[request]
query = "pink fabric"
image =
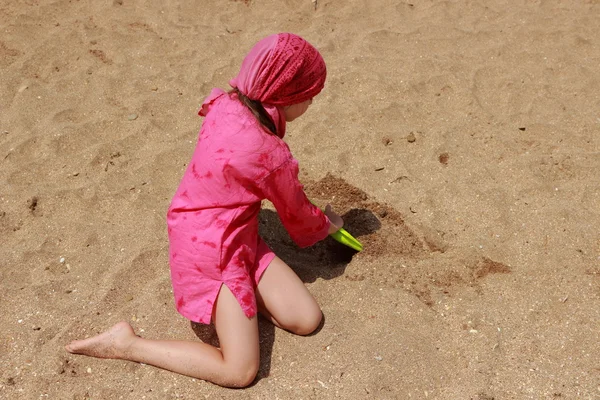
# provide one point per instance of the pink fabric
(213, 217)
(281, 70)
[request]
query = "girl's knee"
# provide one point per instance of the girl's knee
(308, 324)
(242, 375)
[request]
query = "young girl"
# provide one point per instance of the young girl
(222, 271)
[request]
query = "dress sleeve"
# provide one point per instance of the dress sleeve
(305, 222)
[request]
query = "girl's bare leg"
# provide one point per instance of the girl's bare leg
(283, 298)
(235, 364)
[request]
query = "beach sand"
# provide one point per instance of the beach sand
(460, 139)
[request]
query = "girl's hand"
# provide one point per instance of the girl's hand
(336, 221)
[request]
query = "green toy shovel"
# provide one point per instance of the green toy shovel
(347, 239)
(344, 237)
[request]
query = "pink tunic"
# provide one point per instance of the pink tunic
(213, 217)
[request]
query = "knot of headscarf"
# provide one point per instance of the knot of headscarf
(281, 70)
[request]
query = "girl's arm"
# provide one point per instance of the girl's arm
(305, 222)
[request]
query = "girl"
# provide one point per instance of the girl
(222, 271)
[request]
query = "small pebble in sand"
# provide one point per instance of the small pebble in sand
(89, 370)
(132, 117)
(378, 358)
(62, 260)
(23, 88)
(32, 203)
(411, 138)
(443, 158)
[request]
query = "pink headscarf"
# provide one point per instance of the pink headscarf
(281, 70)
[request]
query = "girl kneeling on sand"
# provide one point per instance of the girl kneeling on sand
(222, 271)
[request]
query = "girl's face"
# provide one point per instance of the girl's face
(294, 111)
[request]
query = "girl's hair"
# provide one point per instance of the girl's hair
(257, 110)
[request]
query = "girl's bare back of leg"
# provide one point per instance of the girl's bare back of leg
(281, 297)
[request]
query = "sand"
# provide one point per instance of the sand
(458, 138)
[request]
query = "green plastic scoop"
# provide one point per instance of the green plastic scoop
(344, 237)
(347, 239)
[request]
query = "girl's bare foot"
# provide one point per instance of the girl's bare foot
(110, 344)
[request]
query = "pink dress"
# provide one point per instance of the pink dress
(213, 217)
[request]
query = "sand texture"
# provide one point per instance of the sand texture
(460, 139)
